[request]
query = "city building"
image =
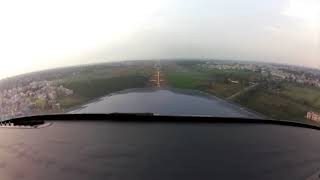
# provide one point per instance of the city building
(313, 116)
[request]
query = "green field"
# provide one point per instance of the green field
(306, 95)
(290, 102)
(89, 85)
(277, 100)
(186, 79)
(273, 105)
(212, 81)
(85, 90)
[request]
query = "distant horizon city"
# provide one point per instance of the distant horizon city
(163, 59)
(59, 89)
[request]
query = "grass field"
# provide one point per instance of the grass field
(93, 84)
(303, 94)
(289, 101)
(212, 81)
(224, 90)
(186, 79)
(87, 89)
(274, 106)
(70, 101)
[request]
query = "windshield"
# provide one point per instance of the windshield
(248, 59)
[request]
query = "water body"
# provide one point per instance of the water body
(166, 102)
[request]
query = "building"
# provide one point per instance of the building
(313, 116)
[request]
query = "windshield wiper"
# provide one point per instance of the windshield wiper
(25, 121)
(38, 120)
(149, 118)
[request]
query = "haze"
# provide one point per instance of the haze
(41, 34)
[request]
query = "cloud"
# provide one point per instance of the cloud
(307, 10)
(45, 34)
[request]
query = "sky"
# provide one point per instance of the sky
(43, 34)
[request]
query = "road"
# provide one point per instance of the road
(243, 91)
(157, 79)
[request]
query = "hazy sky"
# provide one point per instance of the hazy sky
(40, 34)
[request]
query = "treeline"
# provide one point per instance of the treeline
(50, 74)
(189, 63)
(93, 88)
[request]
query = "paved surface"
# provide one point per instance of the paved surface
(166, 102)
(157, 78)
